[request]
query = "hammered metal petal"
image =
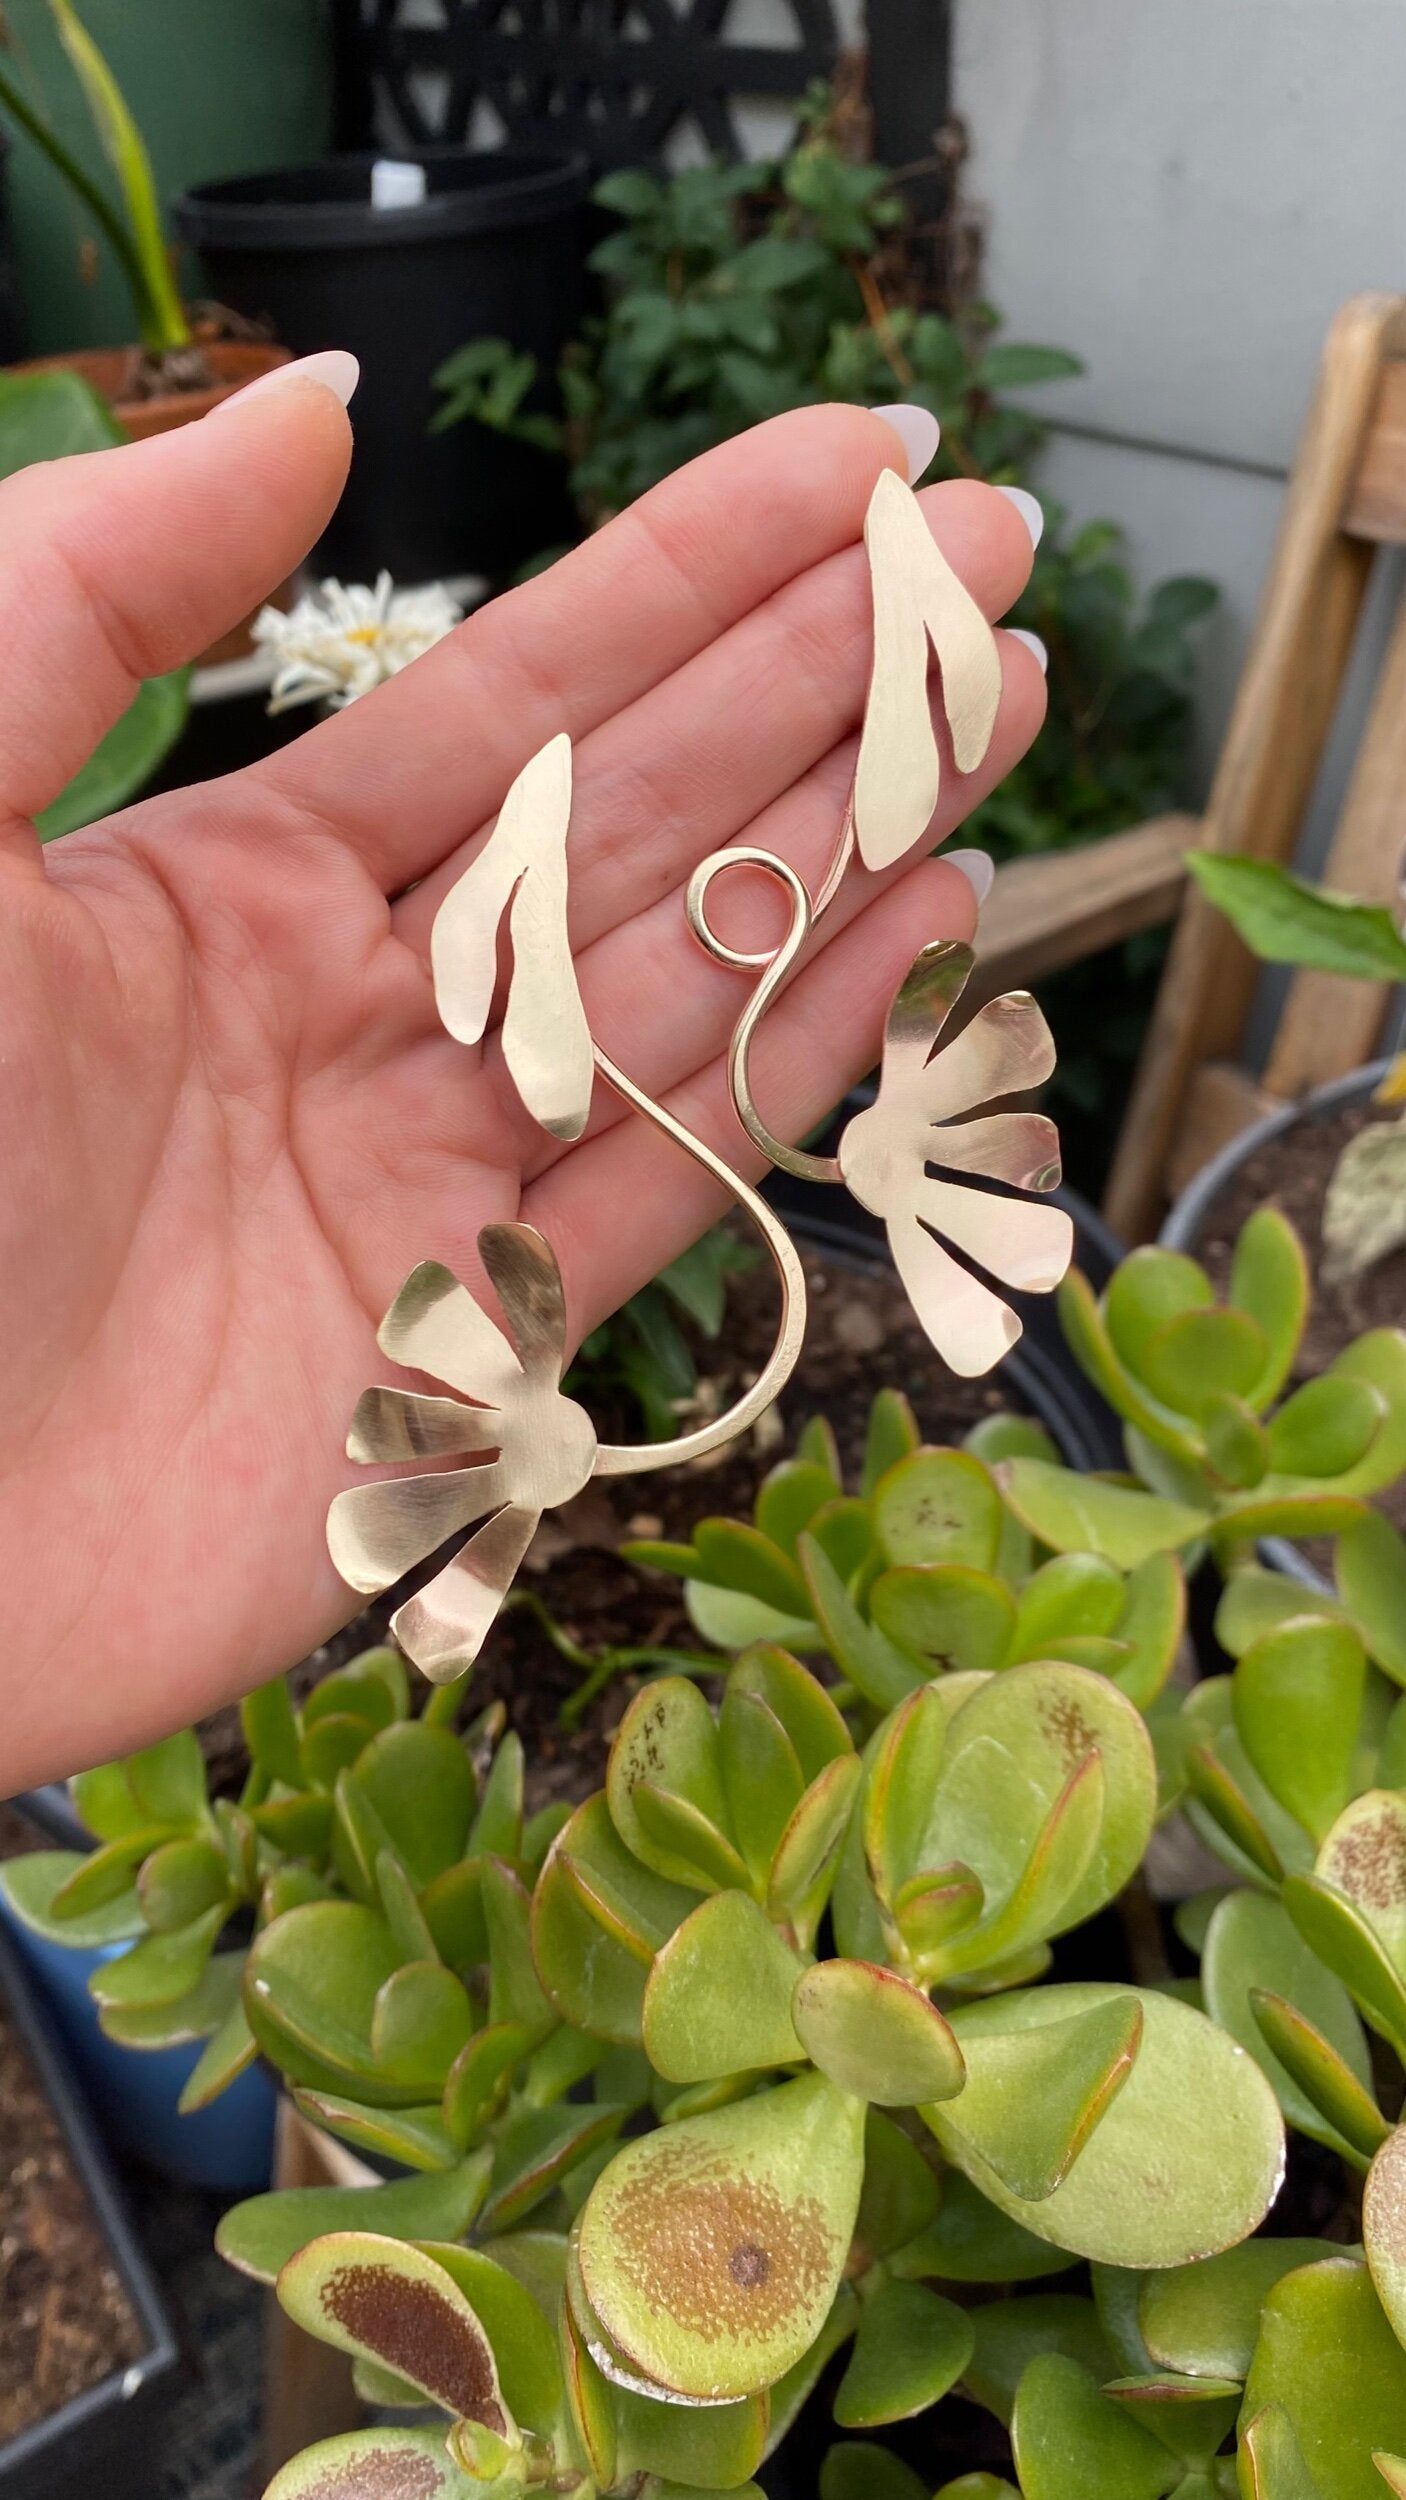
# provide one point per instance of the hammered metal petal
(1028, 1246)
(443, 1628)
(1018, 1147)
(377, 1532)
(917, 599)
(1006, 1049)
(394, 1424)
(523, 1272)
(434, 1325)
(971, 1327)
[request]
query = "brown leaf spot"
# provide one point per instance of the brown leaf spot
(1066, 1727)
(379, 2474)
(418, 2332)
(1369, 1860)
(726, 2257)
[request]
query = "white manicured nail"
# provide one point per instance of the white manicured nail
(1029, 507)
(977, 867)
(919, 433)
(335, 369)
(1032, 642)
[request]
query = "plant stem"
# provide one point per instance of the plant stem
(49, 142)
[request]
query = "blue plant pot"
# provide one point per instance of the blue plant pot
(135, 2091)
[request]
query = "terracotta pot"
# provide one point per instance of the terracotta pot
(110, 371)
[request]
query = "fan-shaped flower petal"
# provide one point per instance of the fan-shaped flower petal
(377, 1532)
(444, 1627)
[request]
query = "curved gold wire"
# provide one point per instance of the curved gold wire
(614, 1460)
(775, 966)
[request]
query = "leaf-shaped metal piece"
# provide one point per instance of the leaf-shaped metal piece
(546, 1040)
(917, 599)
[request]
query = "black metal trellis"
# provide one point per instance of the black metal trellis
(618, 78)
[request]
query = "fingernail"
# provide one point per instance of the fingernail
(1030, 508)
(1032, 642)
(977, 867)
(919, 433)
(335, 368)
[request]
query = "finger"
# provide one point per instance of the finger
(406, 774)
(696, 758)
(118, 565)
(822, 1038)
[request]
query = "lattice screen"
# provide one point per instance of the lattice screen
(627, 80)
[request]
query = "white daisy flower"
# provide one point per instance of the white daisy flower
(342, 639)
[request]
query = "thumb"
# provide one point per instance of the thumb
(117, 565)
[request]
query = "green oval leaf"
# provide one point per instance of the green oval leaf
(1327, 2356)
(383, 2300)
(912, 2346)
(876, 2035)
(718, 2000)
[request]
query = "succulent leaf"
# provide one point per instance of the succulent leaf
(711, 2251)
(1253, 1946)
(911, 2347)
(1112, 2204)
(1327, 2356)
(264, 2233)
(1063, 2424)
(375, 2465)
(1034, 2097)
(1010, 2334)
(875, 2035)
(718, 2000)
(1084, 1515)
(1297, 1696)
(1202, 2320)
(383, 2300)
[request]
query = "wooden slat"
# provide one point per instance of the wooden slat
(308, 2391)
(1376, 508)
(1282, 715)
(1220, 1102)
(1329, 1025)
(1044, 913)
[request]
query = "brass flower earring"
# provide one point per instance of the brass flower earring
(539, 1447)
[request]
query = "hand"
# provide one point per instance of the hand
(231, 1123)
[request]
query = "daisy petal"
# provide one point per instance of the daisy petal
(394, 1424)
(445, 1626)
(523, 1271)
(434, 1325)
(1029, 1246)
(376, 1532)
(969, 1325)
(1006, 1049)
(1019, 1147)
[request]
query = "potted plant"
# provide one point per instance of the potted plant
(175, 372)
(394, 261)
(794, 2091)
(89, 2356)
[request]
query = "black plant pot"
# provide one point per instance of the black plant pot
(496, 249)
(1185, 1227)
(106, 2438)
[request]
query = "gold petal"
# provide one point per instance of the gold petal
(445, 1626)
(546, 1040)
(434, 1325)
(1020, 1147)
(1006, 1049)
(376, 1532)
(917, 596)
(524, 1274)
(930, 991)
(1026, 1244)
(394, 1424)
(969, 1325)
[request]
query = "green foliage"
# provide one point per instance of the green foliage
(48, 416)
(1285, 920)
(760, 2059)
(644, 1353)
(133, 230)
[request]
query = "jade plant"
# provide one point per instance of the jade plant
(1221, 1448)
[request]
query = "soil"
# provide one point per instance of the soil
(1292, 1172)
(861, 1337)
(65, 2320)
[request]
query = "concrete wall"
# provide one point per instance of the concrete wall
(1183, 191)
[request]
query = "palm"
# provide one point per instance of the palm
(232, 1121)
